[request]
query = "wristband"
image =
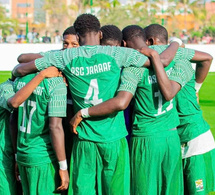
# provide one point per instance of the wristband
(84, 113)
(63, 165)
(179, 41)
(198, 86)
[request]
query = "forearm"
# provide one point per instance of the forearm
(118, 103)
(203, 62)
(202, 70)
(57, 137)
(24, 69)
(168, 54)
(25, 92)
(162, 79)
(23, 58)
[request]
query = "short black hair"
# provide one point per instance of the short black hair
(132, 31)
(86, 23)
(69, 31)
(112, 33)
(156, 31)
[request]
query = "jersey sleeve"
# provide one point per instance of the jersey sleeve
(182, 72)
(51, 59)
(44, 53)
(6, 92)
(58, 93)
(130, 78)
(126, 57)
(184, 53)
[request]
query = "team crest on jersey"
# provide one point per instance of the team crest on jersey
(199, 185)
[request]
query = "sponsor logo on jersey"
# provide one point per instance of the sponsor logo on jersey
(199, 185)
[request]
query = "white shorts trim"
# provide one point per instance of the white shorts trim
(199, 145)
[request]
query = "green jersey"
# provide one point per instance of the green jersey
(152, 113)
(181, 54)
(192, 123)
(47, 100)
(93, 74)
(6, 149)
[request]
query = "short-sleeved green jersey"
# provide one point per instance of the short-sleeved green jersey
(152, 113)
(47, 100)
(93, 74)
(6, 149)
(192, 123)
(181, 54)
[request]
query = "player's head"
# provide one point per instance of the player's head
(156, 34)
(111, 35)
(134, 37)
(70, 39)
(87, 27)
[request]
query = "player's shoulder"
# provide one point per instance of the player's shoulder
(6, 87)
(55, 82)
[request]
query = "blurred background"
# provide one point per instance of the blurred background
(32, 21)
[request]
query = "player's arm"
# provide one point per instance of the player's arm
(26, 91)
(49, 59)
(168, 87)
(57, 137)
(130, 78)
(203, 62)
(28, 57)
(57, 110)
(166, 56)
(23, 69)
(118, 103)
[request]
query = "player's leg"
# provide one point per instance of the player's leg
(40, 180)
(149, 169)
(113, 168)
(83, 168)
(172, 171)
(199, 173)
(7, 182)
(145, 165)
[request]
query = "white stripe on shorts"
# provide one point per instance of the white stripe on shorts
(199, 145)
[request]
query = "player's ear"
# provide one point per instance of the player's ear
(100, 35)
(150, 41)
(123, 43)
(77, 37)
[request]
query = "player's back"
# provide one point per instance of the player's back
(34, 144)
(6, 149)
(152, 113)
(95, 78)
(192, 123)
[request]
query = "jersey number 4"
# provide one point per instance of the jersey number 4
(32, 104)
(92, 96)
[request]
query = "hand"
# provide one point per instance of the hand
(75, 121)
(17, 175)
(51, 72)
(64, 176)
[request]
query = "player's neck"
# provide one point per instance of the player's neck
(90, 39)
(139, 43)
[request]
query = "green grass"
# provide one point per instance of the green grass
(207, 100)
(4, 75)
